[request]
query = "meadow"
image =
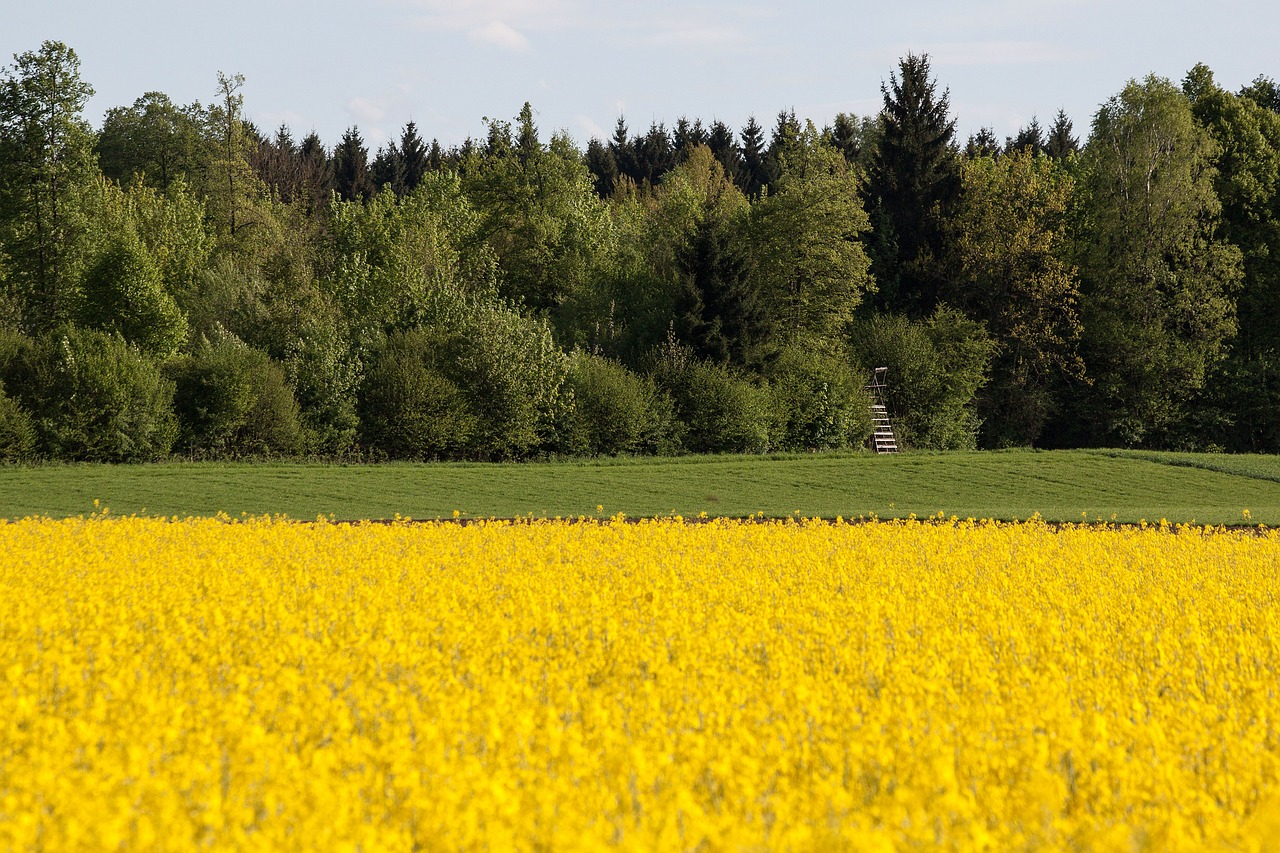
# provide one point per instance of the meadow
(1058, 485)
(796, 684)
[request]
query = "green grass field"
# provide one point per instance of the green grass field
(1123, 486)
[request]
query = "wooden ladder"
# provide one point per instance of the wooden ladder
(882, 438)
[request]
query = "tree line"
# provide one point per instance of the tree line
(178, 283)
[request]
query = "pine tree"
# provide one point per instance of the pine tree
(1060, 143)
(604, 168)
(351, 176)
(846, 135)
(913, 186)
(753, 176)
(786, 136)
(688, 136)
(1030, 137)
(722, 144)
(387, 169)
(414, 157)
(982, 144)
(623, 150)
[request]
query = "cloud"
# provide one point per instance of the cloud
(591, 128)
(500, 35)
(502, 23)
(363, 109)
(508, 24)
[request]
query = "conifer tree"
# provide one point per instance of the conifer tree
(914, 185)
(1060, 143)
(754, 176)
(351, 176)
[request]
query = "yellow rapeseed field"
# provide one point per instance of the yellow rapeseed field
(664, 685)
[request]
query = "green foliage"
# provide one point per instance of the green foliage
(542, 217)
(819, 402)
(93, 398)
(391, 259)
(1009, 244)
(122, 292)
(913, 184)
(505, 367)
(720, 410)
(1157, 283)
(409, 408)
(936, 368)
(808, 264)
(45, 161)
(617, 411)
(233, 401)
(154, 141)
(17, 432)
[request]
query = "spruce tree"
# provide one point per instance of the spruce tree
(913, 187)
(753, 176)
(351, 167)
(722, 144)
(414, 157)
(1060, 143)
(1029, 138)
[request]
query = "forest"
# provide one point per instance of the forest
(179, 283)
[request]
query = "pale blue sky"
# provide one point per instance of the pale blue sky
(324, 65)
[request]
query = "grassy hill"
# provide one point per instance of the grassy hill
(1123, 486)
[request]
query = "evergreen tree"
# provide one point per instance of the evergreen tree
(351, 176)
(722, 144)
(414, 157)
(845, 134)
(316, 173)
(783, 144)
(655, 154)
(688, 136)
(623, 150)
(604, 168)
(1029, 138)
(718, 314)
(387, 169)
(754, 176)
(1060, 143)
(982, 144)
(913, 186)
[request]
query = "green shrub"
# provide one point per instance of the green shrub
(720, 411)
(17, 433)
(233, 401)
(408, 408)
(93, 398)
(935, 370)
(617, 411)
(819, 402)
(122, 292)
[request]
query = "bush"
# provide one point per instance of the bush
(17, 433)
(616, 411)
(819, 403)
(408, 408)
(232, 401)
(93, 398)
(720, 411)
(935, 370)
(122, 292)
